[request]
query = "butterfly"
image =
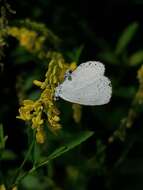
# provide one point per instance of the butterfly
(86, 85)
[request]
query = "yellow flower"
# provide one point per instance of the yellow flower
(27, 38)
(45, 105)
(46, 94)
(2, 187)
(140, 74)
(40, 135)
(39, 43)
(73, 66)
(28, 102)
(37, 121)
(26, 110)
(13, 31)
(139, 94)
(76, 112)
(38, 83)
(56, 118)
(15, 188)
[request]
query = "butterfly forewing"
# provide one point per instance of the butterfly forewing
(85, 73)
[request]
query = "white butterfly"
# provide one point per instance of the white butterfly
(86, 85)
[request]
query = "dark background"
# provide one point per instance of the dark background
(97, 25)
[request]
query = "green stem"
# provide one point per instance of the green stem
(58, 152)
(124, 153)
(34, 168)
(24, 161)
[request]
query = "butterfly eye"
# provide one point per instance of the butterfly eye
(68, 75)
(70, 71)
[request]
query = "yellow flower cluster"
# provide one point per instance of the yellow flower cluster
(2, 187)
(140, 75)
(139, 94)
(76, 112)
(44, 111)
(27, 38)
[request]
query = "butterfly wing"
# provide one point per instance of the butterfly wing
(95, 92)
(87, 72)
(95, 68)
(84, 74)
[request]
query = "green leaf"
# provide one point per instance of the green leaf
(36, 153)
(75, 54)
(8, 155)
(31, 182)
(109, 57)
(28, 84)
(126, 37)
(121, 92)
(83, 136)
(136, 58)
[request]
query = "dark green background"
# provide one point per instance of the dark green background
(97, 26)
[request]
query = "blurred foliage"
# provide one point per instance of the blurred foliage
(39, 42)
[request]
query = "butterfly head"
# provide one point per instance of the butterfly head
(68, 75)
